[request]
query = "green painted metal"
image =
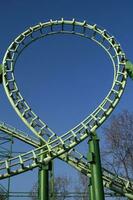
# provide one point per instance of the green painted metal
(96, 170)
(111, 181)
(51, 178)
(43, 183)
(54, 145)
(21, 135)
(90, 190)
(62, 146)
(9, 180)
(129, 68)
(1, 72)
(91, 32)
(74, 158)
(129, 196)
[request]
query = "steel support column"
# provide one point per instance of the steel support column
(51, 185)
(96, 171)
(43, 180)
(43, 185)
(90, 190)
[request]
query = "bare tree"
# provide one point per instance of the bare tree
(3, 193)
(82, 187)
(119, 144)
(3, 196)
(117, 156)
(61, 188)
(34, 192)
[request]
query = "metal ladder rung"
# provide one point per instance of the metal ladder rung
(73, 25)
(93, 117)
(25, 111)
(62, 24)
(9, 55)
(9, 59)
(62, 141)
(115, 56)
(104, 32)
(122, 63)
(84, 125)
(14, 44)
(43, 127)
(109, 100)
(40, 28)
(14, 50)
(119, 82)
(112, 40)
(21, 162)
(84, 30)
(117, 45)
(34, 157)
(127, 184)
(103, 109)
(20, 105)
(7, 83)
(115, 91)
(51, 24)
(18, 101)
(20, 39)
(32, 121)
(7, 71)
(28, 32)
(11, 80)
(75, 136)
(14, 90)
(7, 167)
(121, 73)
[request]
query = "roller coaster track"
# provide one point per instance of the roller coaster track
(54, 145)
(98, 116)
(19, 134)
(116, 183)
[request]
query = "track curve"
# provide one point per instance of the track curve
(54, 145)
(115, 183)
(99, 115)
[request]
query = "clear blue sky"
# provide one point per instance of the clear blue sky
(63, 78)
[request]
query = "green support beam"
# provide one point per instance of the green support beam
(90, 190)
(43, 183)
(97, 190)
(129, 68)
(93, 121)
(43, 180)
(51, 179)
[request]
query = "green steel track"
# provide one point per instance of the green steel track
(115, 183)
(98, 116)
(54, 145)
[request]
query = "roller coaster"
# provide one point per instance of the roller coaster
(47, 144)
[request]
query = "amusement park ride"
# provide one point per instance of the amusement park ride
(46, 143)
